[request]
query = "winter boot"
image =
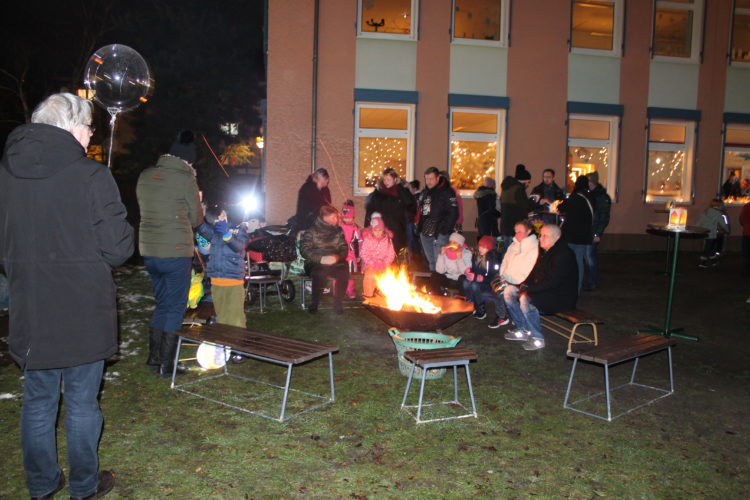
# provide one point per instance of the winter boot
(350, 289)
(154, 341)
(167, 351)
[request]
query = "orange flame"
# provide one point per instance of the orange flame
(400, 293)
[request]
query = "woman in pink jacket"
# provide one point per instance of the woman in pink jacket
(377, 252)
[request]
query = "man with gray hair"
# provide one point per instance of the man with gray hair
(62, 231)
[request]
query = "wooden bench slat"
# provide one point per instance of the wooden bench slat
(624, 348)
(422, 357)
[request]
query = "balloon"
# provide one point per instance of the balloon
(119, 76)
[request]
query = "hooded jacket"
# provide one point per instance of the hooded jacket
(62, 230)
(519, 259)
(323, 239)
(514, 205)
(170, 208)
(438, 210)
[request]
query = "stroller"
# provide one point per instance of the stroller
(270, 251)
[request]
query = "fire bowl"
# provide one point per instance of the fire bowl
(452, 311)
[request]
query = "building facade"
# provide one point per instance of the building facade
(654, 95)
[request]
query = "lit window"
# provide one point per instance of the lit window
(592, 146)
(384, 140)
(596, 26)
(387, 19)
(481, 21)
(735, 189)
(670, 161)
(741, 31)
(476, 147)
(677, 26)
(231, 129)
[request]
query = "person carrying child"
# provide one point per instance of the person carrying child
(353, 237)
(377, 252)
(485, 265)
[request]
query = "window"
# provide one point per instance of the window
(596, 26)
(476, 147)
(592, 146)
(735, 189)
(741, 31)
(384, 140)
(670, 161)
(483, 22)
(677, 28)
(387, 19)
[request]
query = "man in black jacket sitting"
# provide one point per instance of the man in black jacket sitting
(552, 286)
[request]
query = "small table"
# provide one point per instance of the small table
(668, 230)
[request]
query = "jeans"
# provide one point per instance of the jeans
(431, 247)
(479, 293)
(83, 427)
(523, 313)
(4, 292)
(592, 261)
(582, 253)
(170, 278)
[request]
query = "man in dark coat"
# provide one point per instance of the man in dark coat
(547, 192)
(602, 204)
(312, 196)
(62, 231)
(438, 213)
(515, 205)
(577, 230)
(487, 213)
(395, 203)
(552, 286)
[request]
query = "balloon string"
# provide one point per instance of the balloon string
(214, 155)
(333, 168)
(111, 136)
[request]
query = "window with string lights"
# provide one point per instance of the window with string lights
(677, 30)
(669, 173)
(384, 140)
(477, 142)
(740, 53)
(592, 146)
(735, 179)
(396, 19)
(481, 22)
(596, 27)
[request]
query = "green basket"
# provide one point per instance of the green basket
(417, 341)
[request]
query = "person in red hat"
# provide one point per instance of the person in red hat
(485, 265)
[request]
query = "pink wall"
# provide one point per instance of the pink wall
(537, 86)
(433, 78)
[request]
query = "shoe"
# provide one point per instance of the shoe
(3, 312)
(498, 322)
(351, 295)
(703, 265)
(533, 343)
(517, 334)
(747, 301)
(480, 315)
(106, 483)
(326, 290)
(167, 351)
(312, 309)
(50, 495)
(237, 359)
(154, 341)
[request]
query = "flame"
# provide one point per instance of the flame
(400, 293)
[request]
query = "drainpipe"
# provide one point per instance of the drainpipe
(314, 117)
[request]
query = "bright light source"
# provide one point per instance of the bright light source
(249, 203)
(259, 142)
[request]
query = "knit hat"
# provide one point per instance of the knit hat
(521, 173)
(457, 238)
(487, 242)
(347, 210)
(184, 147)
(376, 221)
(593, 177)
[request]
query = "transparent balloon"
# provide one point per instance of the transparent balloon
(119, 77)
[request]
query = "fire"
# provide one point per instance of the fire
(400, 294)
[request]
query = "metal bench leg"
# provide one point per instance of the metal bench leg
(278, 292)
(289, 367)
(262, 294)
(471, 391)
(455, 383)
(177, 360)
(606, 388)
(671, 380)
(421, 394)
(635, 367)
(330, 370)
(570, 383)
(408, 385)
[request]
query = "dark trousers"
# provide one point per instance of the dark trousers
(320, 273)
(481, 293)
(745, 255)
(170, 278)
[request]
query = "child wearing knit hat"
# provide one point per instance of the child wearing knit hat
(377, 252)
(353, 237)
(485, 266)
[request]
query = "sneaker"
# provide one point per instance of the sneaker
(703, 265)
(748, 300)
(237, 359)
(517, 334)
(533, 343)
(326, 290)
(498, 322)
(480, 314)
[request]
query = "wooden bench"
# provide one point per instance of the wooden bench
(275, 349)
(615, 352)
(201, 315)
(438, 358)
(566, 325)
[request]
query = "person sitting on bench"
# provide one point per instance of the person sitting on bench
(453, 260)
(551, 287)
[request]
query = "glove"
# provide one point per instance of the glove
(469, 275)
(480, 278)
(221, 227)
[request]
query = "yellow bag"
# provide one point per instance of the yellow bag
(196, 290)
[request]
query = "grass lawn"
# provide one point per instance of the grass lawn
(693, 444)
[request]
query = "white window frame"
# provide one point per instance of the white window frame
(414, 25)
(688, 147)
(617, 31)
(740, 64)
(498, 137)
(731, 149)
(407, 134)
(612, 143)
(696, 36)
(504, 28)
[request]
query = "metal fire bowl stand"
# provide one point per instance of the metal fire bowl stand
(457, 310)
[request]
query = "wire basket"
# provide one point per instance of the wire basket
(417, 341)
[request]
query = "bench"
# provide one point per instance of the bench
(274, 349)
(438, 358)
(201, 315)
(618, 351)
(566, 325)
